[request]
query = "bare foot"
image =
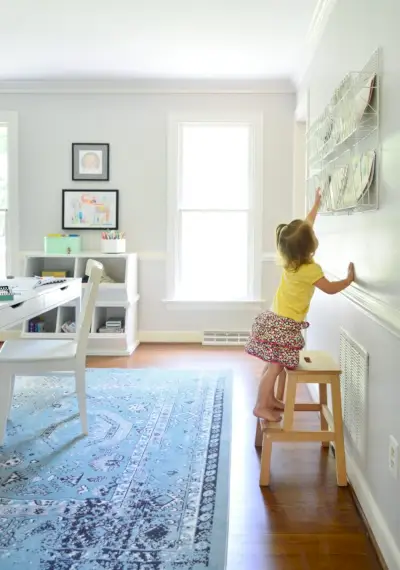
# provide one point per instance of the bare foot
(267, 414)
(278, 405)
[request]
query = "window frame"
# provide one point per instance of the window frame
(12, 226)
(256, 122)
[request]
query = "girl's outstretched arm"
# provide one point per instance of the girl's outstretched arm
(314, 210)
(333, 287)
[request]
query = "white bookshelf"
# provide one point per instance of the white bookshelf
(115, 300)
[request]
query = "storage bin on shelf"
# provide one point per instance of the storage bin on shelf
(60, 245)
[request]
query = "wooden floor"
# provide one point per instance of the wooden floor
(303, 521)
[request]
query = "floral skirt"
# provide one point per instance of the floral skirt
(276, 339)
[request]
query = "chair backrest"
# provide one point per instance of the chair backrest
(94, 270)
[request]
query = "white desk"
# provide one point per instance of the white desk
(32, 302)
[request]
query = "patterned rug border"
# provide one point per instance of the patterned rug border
(218, 556)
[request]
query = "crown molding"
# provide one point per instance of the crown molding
(319, 20)
(151, 87)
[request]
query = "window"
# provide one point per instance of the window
(8, 194)
(215, 209)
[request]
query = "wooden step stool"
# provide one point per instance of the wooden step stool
(315, 368)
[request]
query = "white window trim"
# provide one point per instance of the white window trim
(255, 210)
(12, 229)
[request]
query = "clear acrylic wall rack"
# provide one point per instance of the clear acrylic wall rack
(343, 144)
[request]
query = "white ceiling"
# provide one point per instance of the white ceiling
(107, 39)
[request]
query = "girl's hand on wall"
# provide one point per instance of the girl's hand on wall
(351, 273)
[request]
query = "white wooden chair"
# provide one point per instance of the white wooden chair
(28, 357)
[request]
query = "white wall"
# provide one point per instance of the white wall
(299, 169)
(356, 28)
(135, 126)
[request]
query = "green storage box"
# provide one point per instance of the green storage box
(62, 245)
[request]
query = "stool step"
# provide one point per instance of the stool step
(275, 431)
(271, 426)
(298, 408)
(299, 436)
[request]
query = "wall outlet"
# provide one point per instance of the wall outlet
(393, 457)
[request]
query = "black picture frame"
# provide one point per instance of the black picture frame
(71, 205)
(99, 168)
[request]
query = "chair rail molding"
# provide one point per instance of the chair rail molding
(382, 313)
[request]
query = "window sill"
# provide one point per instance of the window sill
(193, 305)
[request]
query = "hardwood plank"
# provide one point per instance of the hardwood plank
(303, 521)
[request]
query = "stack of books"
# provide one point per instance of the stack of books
(113, 326)
(36, 325)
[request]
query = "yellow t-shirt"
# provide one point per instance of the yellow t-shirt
(295, 291)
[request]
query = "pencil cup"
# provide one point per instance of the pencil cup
(113, 246)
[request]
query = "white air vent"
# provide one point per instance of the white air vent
(354, 365)
(225, 338)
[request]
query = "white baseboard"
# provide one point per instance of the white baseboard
(126, 352)
(379, 528)
(171, 336)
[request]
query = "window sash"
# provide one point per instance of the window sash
(254, 209)
(186, 199)
(4, 264)
(179, 242)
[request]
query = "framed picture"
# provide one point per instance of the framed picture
(90, 209)
(90, 161)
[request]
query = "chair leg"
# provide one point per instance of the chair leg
(11, 396)
(5, 395)
(340, 455)
(323, 400)
(290, 402)
(259, 435)
(281, 385)
(80, 385)
(266, 453)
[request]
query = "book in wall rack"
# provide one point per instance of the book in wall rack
(117, 301)
(343, 144)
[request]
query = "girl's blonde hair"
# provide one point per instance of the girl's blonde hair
(296, 243)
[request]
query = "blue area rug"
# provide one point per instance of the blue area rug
(148, 489)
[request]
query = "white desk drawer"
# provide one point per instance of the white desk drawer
(19, 311)
(64, 294)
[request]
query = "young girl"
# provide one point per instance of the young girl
(277, 334)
